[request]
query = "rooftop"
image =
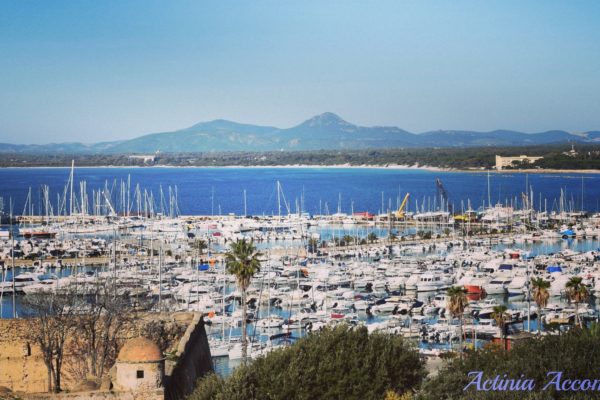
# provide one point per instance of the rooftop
(139, 350)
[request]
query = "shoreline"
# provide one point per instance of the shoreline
(287, 166)
(331, 166)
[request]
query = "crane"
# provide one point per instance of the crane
(400, 213)
(443, 195)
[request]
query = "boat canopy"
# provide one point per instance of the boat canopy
(203, 267)
(505, 267)
(553, 268)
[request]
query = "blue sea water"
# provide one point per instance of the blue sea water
(207, 191)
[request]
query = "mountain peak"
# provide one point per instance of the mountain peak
(327, 119)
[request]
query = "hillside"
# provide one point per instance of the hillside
(322, 132)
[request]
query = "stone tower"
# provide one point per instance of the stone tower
(139, 366)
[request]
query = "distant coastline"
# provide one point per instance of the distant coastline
(333, 166)
(554, 159)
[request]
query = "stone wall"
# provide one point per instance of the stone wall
(21, 365)
(22, 368)
(100, 395)
(192, 361)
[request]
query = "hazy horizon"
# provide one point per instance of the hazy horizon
(102, 71)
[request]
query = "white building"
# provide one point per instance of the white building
(502, 162)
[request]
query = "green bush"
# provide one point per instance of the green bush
(336, 363)
(576, 354)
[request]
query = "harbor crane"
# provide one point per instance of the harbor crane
(400, 212)
(443, 195)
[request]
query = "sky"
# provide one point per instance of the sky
(91, 71)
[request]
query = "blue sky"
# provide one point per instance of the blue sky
(103, 70)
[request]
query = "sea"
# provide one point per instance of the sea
(266, 191)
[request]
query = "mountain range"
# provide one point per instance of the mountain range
(326, 131)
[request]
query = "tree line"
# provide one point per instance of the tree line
(588, 157)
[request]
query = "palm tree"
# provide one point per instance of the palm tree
(372, 237)
(500, 316)
(578, 293)
(456, 305)
(201, 245)
(242, 261)
(313, 245)
(347, 239)
(541, 296)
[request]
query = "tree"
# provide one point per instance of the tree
(457, 303)
(99, 325)
(50, 324)
(572, 353)
(347, 239)
(337, 363)
(372, 237)
(201, 245)
(500, 316)
(540, 296)
(313, 245)
(578, 293)
(242, 262)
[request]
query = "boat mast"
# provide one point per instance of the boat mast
(159, 280)
(488, 190)
(71, 183)
(12, 253)
(279, 199)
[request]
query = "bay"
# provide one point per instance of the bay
(209, 191)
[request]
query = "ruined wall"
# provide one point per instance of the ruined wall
(100, 395)
(22, 368)
(21, 365)
(191, 361)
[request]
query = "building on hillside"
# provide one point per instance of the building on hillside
(572, 152)
(145, 158)
(502, 162)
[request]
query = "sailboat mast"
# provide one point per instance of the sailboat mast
(279, 199)
(488, 188)
(71, 183)
(12, 256)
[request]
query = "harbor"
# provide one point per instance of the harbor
(388, 271)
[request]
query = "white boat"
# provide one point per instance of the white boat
(431, 282)
(272, 321)
(497, 286)
(22, 280)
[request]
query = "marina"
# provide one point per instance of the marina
(387, 270)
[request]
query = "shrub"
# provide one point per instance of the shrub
(336, 363)
(574, 353)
